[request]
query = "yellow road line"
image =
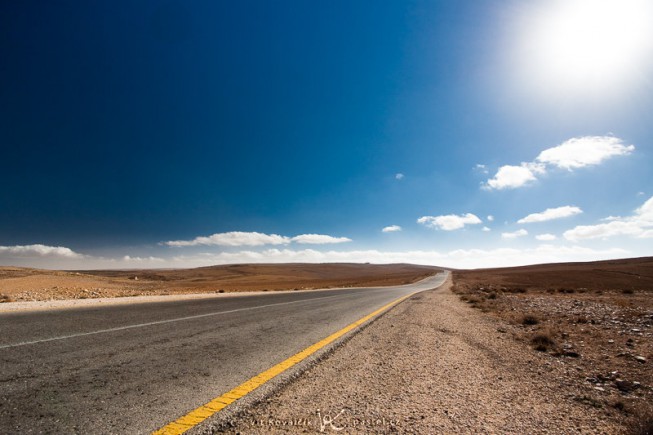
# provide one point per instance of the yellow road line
(205, 411)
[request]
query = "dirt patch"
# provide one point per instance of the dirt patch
(24, 284)
(596, 319)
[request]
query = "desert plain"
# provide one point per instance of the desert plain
(540, 349)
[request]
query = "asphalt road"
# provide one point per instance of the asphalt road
(134, 368)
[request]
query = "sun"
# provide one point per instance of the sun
(597, 45)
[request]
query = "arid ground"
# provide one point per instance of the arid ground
(539, 349)
(593, 319)
(561, 348)
(23, 284)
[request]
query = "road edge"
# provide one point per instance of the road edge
(217, 414)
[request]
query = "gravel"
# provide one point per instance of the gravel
(430, 365)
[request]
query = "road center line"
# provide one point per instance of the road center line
(162, 322)
(198, 415)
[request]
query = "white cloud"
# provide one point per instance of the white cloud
(640, 225)
(460, 258)
(27, 251)
(545, 237)
(144, 261)
(584, 151)
(510, 177)
(391, 229)
(603, 231)
(240, 238)
(399, 176)
(482, 168)
(318, 239)
(574, 153)
(233, 238)
(519, 233)
(550, 214)
(486, 229)
(490, 218)
(449, 222)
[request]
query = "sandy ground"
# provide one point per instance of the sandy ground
(433, 364)
(24, 284)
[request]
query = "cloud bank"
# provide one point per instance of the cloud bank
(240, 238)
(460, 258)
(37, 251)
(574, 153)
(233, 238)
(318, 239)
(639, 225)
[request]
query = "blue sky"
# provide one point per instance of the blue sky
(178, 134)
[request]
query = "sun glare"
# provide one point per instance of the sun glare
(597, 45)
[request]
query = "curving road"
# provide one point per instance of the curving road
(134, 368)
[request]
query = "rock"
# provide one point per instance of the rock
(640, 359)
(626, 386)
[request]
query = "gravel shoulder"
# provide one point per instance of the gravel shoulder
(430, 365)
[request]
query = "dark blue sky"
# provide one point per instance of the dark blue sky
(127, 124)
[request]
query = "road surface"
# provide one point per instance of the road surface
(135, 368)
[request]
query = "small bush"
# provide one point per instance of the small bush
(542, 341)
(5, 298)
(566, 290)
(628, 291)
(473, 300)
(529, 319)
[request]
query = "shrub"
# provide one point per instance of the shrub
(542, 341)
(529, 319)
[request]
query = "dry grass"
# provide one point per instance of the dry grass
(543, 341)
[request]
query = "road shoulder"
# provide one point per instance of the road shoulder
(430, 365)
